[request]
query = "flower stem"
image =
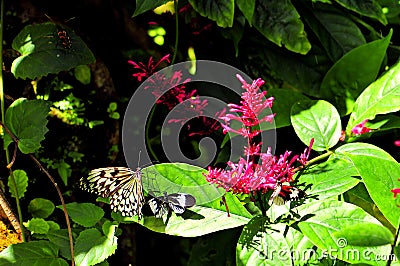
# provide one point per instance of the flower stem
(176, 32)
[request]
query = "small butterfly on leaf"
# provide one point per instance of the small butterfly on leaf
(121, 184)
(178, 202)
(282, 194)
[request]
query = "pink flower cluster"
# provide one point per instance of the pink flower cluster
(248, 176)
(160, 85)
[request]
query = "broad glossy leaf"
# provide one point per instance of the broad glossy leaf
(247, 7)
(93, 247)
(319, 120)
(60, 238)
(32, 253)
(271, 244)
(43, 52)
(27, 121)
(221, 11)
(21, 183)
(366, 235)
(326, 218)
(381, 97)
(380, 173)
(328, 179)
(280, 23)
(353, 73)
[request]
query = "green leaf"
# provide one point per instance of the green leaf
(381, 97)
(146, 5)
(366, 235)
(85, 214)
(335, 30)
(42, 51)
(262, 243)
(21, 182)
(32, 253)
(380, 173)
(92, 247)
(27, 121)
(41, 208)
(284, 99)
(60, 238)
(280, 23)
(319, 120)
(220, 11)
(328, 217)
(82, 74)
(353, 73)
(37, 226)
(368, 8)
(329, 179)
(247, 7)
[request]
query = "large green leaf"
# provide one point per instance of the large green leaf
(32, 253)
(353, 73)
(85, 214)
(41, 208)
(366, 234)
(271, 244)
(43, 52)
(327, 218)
(221, 11)
(329, 179)
(380, 173)
(247, 7)
(93, 247)
(280, 23)
(60, 238)
(21, 183)
(368, 8)
(319, 120)
(37, 226)
(335, 30)
(27, 121)
(381, 97)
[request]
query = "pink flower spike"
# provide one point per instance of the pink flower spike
(397, 143)
(361, 128)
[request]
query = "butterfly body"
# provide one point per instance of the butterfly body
(177, 202)
(121, 184)
(283, 193)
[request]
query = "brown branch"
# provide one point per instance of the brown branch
(71, 242)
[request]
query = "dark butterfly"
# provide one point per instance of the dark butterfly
(283, 193)
(178, 202)
(121, 184)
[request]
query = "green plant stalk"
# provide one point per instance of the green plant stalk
(176, 32)
(147, 134)
(3, 119)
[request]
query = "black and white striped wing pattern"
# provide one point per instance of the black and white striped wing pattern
(121, 184)
(177, 202)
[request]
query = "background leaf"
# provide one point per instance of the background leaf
(42, 52)
(146, 5)
(27, 121)
(21, 182)
(85, 214)
(41, 208)
(220, 11)
(37, 226)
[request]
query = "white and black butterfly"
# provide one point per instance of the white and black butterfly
(121, 184)
(283, 193)
(178, 202)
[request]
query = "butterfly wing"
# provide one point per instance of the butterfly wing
(121, 184)
(282, 194)
(178, 202)
(157, 207)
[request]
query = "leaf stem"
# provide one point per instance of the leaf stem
(71, 242)
(176, 32)
(3, 119)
